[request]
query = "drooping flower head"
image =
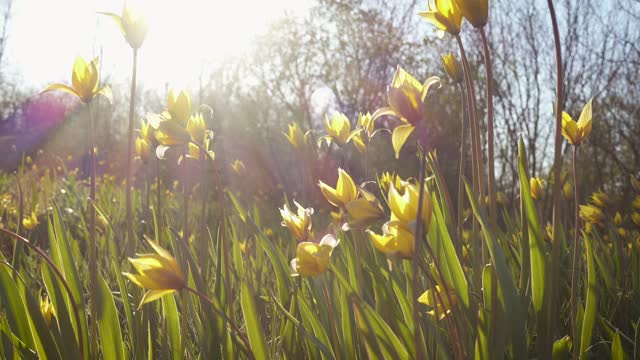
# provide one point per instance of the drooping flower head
(591, 214)
(298, 223)
(364, 210)
(396, 240)
(313, 259)
(475, 11)
(159, 273)
(406, 101)
(31, 222)
(441, 303)
(600, 199)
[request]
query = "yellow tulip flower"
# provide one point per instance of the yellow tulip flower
(298, 223)
(600, 199)
(475, 11)
(338, 129)
(47, 310)
(364, 210)
(147, 132)
(636, 203)
(85, 78)
(344, 192)
(445, 15)
(132, 25)
(452, 67)
(30, 222)
(366, 122)
(567, 190)
(576, 132)
(537, 188)
(441, 303)
(167, 131)
(635, 217)
(404, 207)
(238, 167)
(196, 127)
(143, 149)
(296, 137)
(396, 240)
(159, 273)
(358, 143)
(617, 219)
(591, 214)
(386, 179)
(179, 106)
(313, 259)
(195, 151)
(406, 96)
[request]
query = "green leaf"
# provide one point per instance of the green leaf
(108, 323)
(514, 311)
(172, 324)
(14, 308)
(254, 327)
(443, 245)
(536, 241)
(312, 321)
(616, 348)
(63, 258)
(591, 305)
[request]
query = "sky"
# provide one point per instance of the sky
(185, 36)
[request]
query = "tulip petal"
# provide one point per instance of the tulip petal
(116, 19)
(62, 87)
(152, 295)
(385, 111)
(399, 137)
(106, 92)
(584, 123)
(434, 80)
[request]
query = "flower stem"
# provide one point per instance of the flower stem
(461, 194)
(557, 165)
(94, 266)
(490, 152)
(204, 239)
(475, 128)
(415, 265)
(128, 178)
(576, 244)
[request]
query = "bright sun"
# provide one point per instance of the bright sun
(185, 36)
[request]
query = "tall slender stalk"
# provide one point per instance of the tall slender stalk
(204, 239)
(158, 193)
(557, 165)
(415, 264)
(461, 193)
(576, 244)
(128, 178)
(493, 213)
(475, 128)
(94, 266)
